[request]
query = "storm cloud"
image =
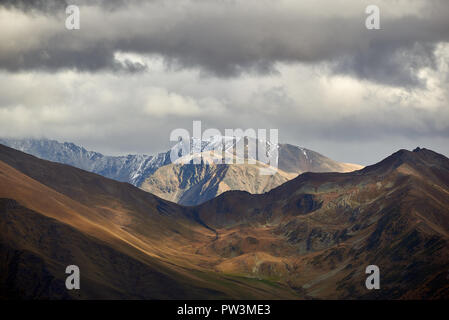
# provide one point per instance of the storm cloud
(138, 69)
(228, 38)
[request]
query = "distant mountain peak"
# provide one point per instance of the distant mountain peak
(419, 159)
(197, 183)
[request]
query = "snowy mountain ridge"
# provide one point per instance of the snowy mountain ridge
(200, 175)
(130, 168)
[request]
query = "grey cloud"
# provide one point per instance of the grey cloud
(225, 41)
(107, 111)
(47, 6)
(55, 56)
(389, 64)
(108, 108)
(395, 54)
(56, 6)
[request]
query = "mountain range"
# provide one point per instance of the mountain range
(188, 184)
(310, 238)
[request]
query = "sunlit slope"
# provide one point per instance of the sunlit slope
(127, 243)
(193, 184)
(311, 237)
(190, 184)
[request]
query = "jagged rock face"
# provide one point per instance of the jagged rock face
(192, 184)
(188, 184)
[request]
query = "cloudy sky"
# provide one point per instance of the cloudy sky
(136, 70)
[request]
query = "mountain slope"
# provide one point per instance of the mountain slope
(297, 160)
(127, 242)
(312, 237)
(191, 184)
(394, 214)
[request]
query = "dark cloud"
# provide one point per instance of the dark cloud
(55, 6)
(395, 54)
(389, 64)
(48, 6)
(221, 39)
